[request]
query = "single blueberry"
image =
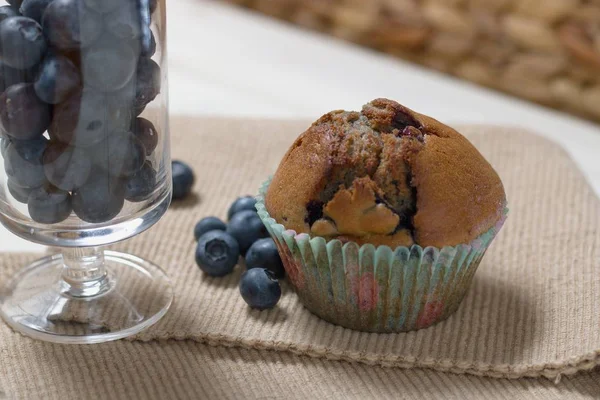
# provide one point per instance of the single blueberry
(183, 179)
(100, 199)
(69, 25)
(86, 118)
(246, 227)
(260, 289)
(10, 76)
(217, 253)
(23, 115)
(145, 131)
(66, 167)
(7, 12)
(34, 9)
(147, 82)
(19, 193)
(103, 6)
(23, 162)
(121, 154)
(126, 21)
(242, 204)
(108, 66)
(264, 254)
(208, 224)
(57, 78)
(148, 45)
(22, 43)
(48, 205)
(140, 185)
(15, 3)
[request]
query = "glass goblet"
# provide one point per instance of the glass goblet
(86, 163)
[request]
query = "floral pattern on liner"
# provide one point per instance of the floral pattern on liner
(377, 289)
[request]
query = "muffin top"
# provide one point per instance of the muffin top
(386, 176)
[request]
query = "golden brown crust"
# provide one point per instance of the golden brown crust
(387, 176)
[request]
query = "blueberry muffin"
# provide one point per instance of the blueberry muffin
(385, 176)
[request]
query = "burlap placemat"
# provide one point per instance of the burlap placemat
(532, 310)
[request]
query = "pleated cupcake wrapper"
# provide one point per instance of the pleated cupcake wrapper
(376, 289)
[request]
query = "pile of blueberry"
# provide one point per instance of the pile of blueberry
(220, 246)
(75, 75)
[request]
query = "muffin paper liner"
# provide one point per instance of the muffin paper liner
(376, 289)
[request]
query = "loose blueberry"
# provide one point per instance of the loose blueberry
(100, 199)
(69, 25)
(246, 227)
(183, 179)
(242, 204)
(48, 205)
(263, 254)
(22, 43)
(260, 289)
(7, 12)
(125, 22)
(57, 78)
(208, 224)
(87, 118)
(22, 114)
(147, 83)
(217, 253)
(145, 131)
(141, 184)
(23, 162)
(121, 154)
(19, 193)
(34, 9)
(103, 6)
(66, 167)
(108, 66)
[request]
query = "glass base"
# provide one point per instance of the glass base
(132, 295)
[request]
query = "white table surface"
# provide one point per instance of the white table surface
(232, 62)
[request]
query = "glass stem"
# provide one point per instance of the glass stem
(84, 273)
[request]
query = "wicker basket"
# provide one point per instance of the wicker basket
(547, 51)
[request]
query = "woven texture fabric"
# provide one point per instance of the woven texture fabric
(547, 51)
(532, 310)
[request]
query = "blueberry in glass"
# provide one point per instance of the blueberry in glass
(15, 3)
(19, 193)
(103, 6)
(70, 25)
(22, 114)
(86, 118)
(217, 253)
(246, 227)
(145, 131)
(108, 66)
(140, 185)
(10, 76)
(56, 79)
(66, 167)
(121, 154)
(147, 82)
(22, 43)
(23, 162)
(149, 46)
(126, 21)
(183, 179)
(34, 9)
(100, 199)
(7, 12)
(49, 205)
